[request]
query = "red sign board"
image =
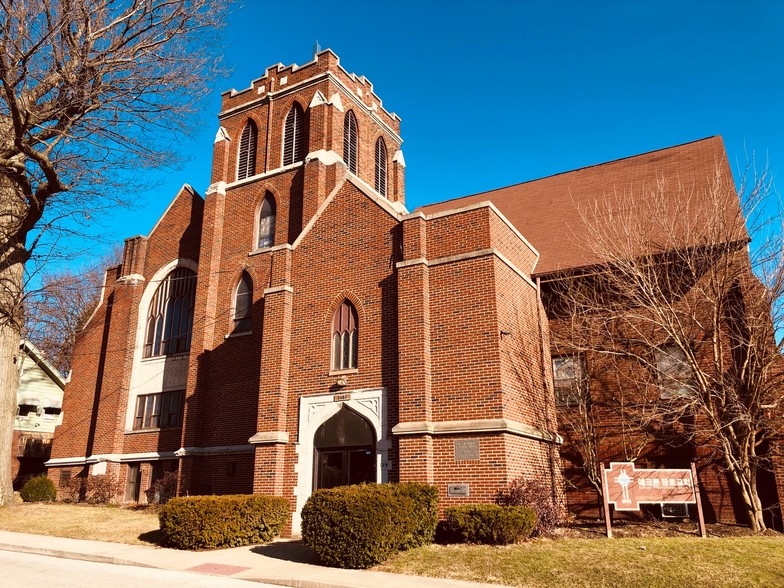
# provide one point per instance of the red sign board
(626, 487)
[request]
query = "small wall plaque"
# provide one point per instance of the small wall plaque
(466, 449)
(457, 490)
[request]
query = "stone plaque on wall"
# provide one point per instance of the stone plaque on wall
(466, 449)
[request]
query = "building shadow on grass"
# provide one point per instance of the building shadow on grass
(294, 551)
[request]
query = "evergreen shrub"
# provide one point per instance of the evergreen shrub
(39, 489)
(489, 523)
(209, 522)
(360, 526)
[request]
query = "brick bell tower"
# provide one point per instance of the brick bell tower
(284, 144)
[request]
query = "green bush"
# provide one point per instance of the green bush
(208, 522)
(360, 526)
(39, 489)
(489, 523)
(423, 519)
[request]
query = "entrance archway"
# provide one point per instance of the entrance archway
(345, 448)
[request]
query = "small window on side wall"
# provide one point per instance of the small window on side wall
(345, 333)
(243, 299)
(675, 378)
(571, 382)
(295, 138)
(267, 223)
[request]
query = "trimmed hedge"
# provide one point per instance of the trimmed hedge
(489, 523)
(38, 489)
(208, 522)
(360, 526)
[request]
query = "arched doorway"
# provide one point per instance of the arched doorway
(345, 447)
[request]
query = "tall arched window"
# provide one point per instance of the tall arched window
(243, 298)
(345, 330)
(267, 222)
(295, 138)
(381, 166)
(170, 316)
(350, 141)
(246, 158)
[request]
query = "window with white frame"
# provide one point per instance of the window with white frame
(345, 333)
(246, 157)
(295, 137)
(243, 299)
(674, 373)
(570, 379)
(170, 315)
(267, 222)
(381, 166)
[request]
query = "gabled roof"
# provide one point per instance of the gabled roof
(548, 211)
(35, 354)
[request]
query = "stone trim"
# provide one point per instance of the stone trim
(275, 289)
(475, 426)
(463, 257)
(269, 437)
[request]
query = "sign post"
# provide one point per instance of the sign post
(627, 488)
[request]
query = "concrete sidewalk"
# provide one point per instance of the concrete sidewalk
(282, 562)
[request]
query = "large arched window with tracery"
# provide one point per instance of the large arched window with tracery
(350, 141)
(246, 157)
(295, 137)
(170, 316)
(345, 336)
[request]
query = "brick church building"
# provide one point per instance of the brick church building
(297, 327)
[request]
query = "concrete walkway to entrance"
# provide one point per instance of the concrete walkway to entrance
(282, 562)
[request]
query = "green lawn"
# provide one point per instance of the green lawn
(572, 563)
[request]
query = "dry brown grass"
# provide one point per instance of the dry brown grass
(82, 521)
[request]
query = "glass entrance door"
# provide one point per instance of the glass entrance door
(345, 451)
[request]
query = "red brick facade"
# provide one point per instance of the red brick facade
(452, 376)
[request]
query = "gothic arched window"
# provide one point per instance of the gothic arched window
(295, 139)
(350, 141)
(246, 158)
(170, 316)
(243, 299)
(381, 166)
(267, 222)
(345, 330)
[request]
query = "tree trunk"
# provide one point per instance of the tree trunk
(745, 480)
(11, 278)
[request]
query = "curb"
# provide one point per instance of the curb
(72, 555)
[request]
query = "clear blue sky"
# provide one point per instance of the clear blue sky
(496, 93)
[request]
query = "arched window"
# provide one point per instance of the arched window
(267, 222)
(381, 166)
(295, 139)
(170, 317)
(243, 298)
(344, 337)
(350, 141)
(246, 158)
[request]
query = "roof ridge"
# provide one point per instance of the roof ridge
(571, 171)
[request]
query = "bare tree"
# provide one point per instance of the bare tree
(56, 311)
(87, 86)
(685, 313)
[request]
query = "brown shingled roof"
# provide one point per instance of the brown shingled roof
(547, 211)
